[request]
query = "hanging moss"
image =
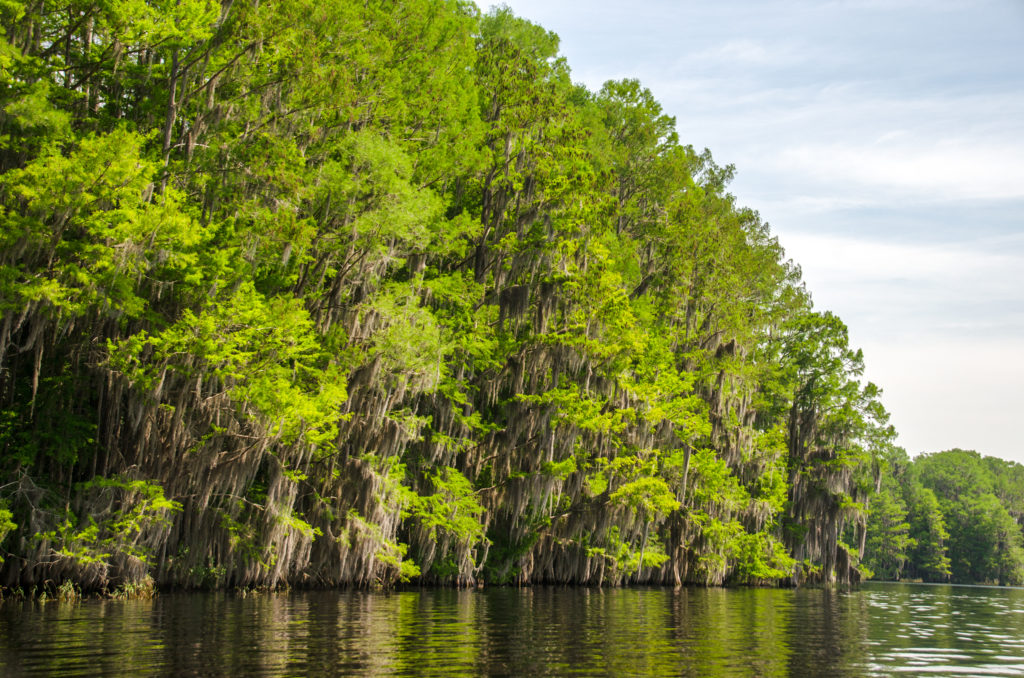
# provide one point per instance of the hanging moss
(283, 304)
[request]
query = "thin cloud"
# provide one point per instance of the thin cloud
(894, 295)
(902, 5)
(955, 169)
(742, 52)
(859, 258)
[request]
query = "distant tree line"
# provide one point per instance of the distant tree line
(952, 516)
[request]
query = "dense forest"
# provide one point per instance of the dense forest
(332, 293)
(951, 516)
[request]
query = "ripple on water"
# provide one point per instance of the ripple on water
(879, 630)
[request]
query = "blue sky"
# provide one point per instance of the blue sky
(883, 140)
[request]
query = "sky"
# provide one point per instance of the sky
(883, 141)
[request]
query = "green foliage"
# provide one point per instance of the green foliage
(985, 543)
(393, 555)
(86, 232)
(984, 540)
(373, 288)
(626, 560)
(451, 510)
(7, 524)
(569, 407)
(929, 557)
(950, 516)
(409, 344)
(650, 496)
(889, 543)
(141, 508)
(760, 558)
(716, 484)
(264, 350)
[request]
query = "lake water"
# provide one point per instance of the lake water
(881, 629)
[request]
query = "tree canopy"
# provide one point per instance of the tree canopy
(325, 293)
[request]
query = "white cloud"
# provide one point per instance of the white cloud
(741, 52)
(906, 290)
(859, 259)
(944, 169)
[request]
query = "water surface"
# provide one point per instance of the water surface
(882, 629)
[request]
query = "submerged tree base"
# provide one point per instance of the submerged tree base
(70, 593)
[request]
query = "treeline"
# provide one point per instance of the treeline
(338, 293)
(951, 516)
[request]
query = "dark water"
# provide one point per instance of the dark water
(882, 629)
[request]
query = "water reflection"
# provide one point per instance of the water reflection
(879, 630)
